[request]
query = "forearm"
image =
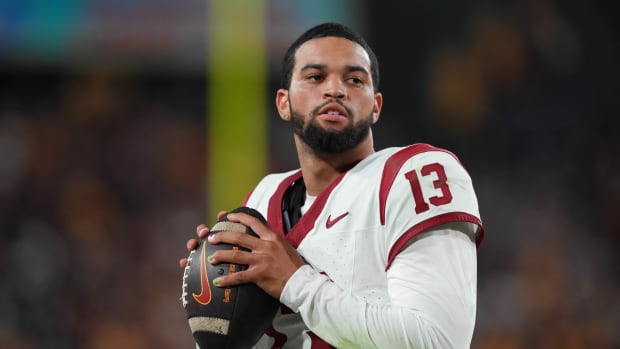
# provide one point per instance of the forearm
(346, 321)
(426, 308)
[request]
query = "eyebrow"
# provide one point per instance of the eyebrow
(348, 68)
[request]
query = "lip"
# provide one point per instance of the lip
(324, 115)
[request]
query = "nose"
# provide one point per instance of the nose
(334, 88)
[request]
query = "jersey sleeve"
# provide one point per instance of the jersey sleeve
(424, 187)
(436, 311)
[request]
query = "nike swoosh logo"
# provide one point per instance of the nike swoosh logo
(329, 223)
(205, 289)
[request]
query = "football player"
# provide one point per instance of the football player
(363, 248)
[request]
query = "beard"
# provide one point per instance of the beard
(323, 141)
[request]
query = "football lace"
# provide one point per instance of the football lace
(185, 276)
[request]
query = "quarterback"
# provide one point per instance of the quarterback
(363, 248)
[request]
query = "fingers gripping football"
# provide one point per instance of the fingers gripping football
(202, 231)
(270, 262)
(224, 317)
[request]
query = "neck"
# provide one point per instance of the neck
(319, 170)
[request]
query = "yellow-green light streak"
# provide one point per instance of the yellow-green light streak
(236, 121)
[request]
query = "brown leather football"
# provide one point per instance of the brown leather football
(231, 317)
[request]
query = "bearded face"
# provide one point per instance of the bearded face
(329, 141)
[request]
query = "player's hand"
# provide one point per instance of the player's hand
(271, 261)
(202, 231)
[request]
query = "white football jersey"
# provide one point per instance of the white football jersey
(358, 225)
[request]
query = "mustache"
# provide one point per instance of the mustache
(315, 111)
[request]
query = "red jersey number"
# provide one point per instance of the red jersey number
(440, 183)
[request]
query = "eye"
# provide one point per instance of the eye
(355, 80)
(314, 77)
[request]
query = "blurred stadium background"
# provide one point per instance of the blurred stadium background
(104, 156)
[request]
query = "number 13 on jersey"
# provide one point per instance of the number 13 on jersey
(439, 182)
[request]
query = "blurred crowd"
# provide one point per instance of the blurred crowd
(103, 179)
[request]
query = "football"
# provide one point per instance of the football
(219, 318)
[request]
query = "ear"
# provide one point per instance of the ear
(377, 107)
(284, 109)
